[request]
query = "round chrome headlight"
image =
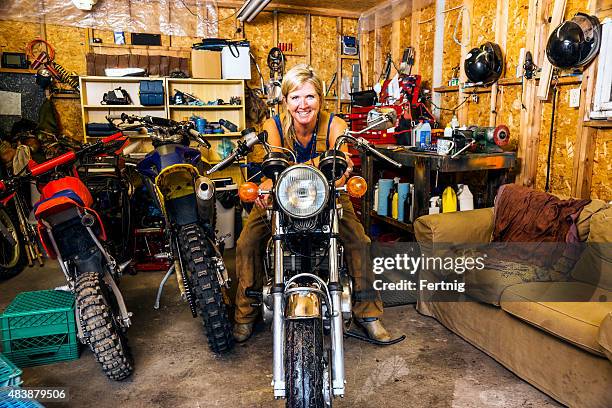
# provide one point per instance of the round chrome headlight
(302, 191)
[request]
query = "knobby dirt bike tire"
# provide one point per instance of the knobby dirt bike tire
(304, 356)
(106, 340)
(196, 252)
(16, 261)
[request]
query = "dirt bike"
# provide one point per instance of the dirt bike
(172, 173)
(308, 294)
(73, 233)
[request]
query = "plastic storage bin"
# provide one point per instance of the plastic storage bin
(39, 328)
(151, 93)
(9, 373)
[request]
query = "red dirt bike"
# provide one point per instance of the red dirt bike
(73, 233)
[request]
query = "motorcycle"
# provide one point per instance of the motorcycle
(73, 233)
(172, 174)
(309, 293)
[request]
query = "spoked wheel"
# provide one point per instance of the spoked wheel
(306, 376)
(12, 255)
(196, 253)
(106, 339)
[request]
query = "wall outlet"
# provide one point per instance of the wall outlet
(574, 98)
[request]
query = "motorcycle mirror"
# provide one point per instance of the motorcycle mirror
(381, 118)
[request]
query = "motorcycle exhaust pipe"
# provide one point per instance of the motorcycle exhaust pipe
(205, 197)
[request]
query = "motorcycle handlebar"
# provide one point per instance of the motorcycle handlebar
(113, 137)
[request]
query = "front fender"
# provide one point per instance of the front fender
(303, 305)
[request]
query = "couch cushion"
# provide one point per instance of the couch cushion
(488, 284)
(605, 335)
(583, 223)
(595, 264)
(456, 227)
(572, 311)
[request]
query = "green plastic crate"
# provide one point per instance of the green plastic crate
(39, 328)
(9, 374)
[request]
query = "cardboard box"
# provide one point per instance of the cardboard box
(205, 64)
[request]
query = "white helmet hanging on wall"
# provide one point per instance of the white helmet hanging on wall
(86, 5)
(484, 64)
(574, 43)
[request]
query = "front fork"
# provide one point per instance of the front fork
(278, 321)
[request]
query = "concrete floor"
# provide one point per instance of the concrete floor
(174, 368)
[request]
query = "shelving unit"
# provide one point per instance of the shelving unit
(93, 89)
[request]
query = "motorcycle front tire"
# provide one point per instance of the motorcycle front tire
(196, 252)
(106, 339)
(304, 363)
(12, 257)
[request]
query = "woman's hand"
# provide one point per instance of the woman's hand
(347, 174)
(263, 199)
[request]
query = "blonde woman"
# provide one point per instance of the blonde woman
(307, 130)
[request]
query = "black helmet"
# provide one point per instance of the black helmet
(574, 43)
(484, 64)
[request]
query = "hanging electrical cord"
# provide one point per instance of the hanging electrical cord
(550, 136)
(205, 20)
(469, 22)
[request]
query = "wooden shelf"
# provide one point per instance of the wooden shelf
(567, 80)
(392, 221)
(139, 107)
(17, 71)
(205, 81)
(350, 57)
(599, 124)
(111, 79)
(205, 107)
(444, 89)
(226, 134)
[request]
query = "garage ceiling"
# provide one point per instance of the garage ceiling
(348, 5)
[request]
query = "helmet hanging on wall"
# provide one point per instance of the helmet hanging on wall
(484, 64)
(574, 43)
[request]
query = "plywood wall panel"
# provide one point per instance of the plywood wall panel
(260, 34)
(292, 30)
(509, 111)
(426, 44)
(227, 23)
(323, 33)
(518, 11)
(451, 53)
(70, 45)
(385, 44)
(15, 35)
(107, 36)
(448, 101)
(405, 32)
(349, 26)
(564, 137)
(483, 22)
(601, 184)
(478, 112)
(69, 116)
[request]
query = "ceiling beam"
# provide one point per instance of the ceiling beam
(285, 8)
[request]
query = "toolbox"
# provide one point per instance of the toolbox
(151, 93)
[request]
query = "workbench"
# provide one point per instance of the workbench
(498, 168)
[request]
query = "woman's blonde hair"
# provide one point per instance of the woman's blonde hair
(295, 77)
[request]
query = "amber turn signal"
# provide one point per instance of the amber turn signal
(356, 186)
(248, 192)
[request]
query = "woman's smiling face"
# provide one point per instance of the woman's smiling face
(303, 104)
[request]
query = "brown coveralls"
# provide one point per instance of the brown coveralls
(250, 249)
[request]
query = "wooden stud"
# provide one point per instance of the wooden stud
(275, 38)
(501, 34)
(378, 57)
(338, 63)
(466, 32)
(585, 136)
(308, 39)
(396, 52)
(547, 68)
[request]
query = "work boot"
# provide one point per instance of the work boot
(374, 328)
(242, 331)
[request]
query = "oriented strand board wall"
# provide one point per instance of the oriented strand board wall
(260, 34)
(69, 116)
(405, 34)
(451, 51)
(478, 112)
(15, 35)
(509, 111)
(601, 186)
(323, 31)
(564, 136)
(448, 101)
(70, 45)
(483, 22)
(518, 11)
(426, 45)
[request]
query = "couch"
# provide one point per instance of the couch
(562, 348)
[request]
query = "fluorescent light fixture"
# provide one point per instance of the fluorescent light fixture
(250, 9)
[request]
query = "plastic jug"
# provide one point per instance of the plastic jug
(384, 186)
(449, 200)
(433, 205)
(465, 198)
(416, 134)
(425, 134)
(403, 206)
